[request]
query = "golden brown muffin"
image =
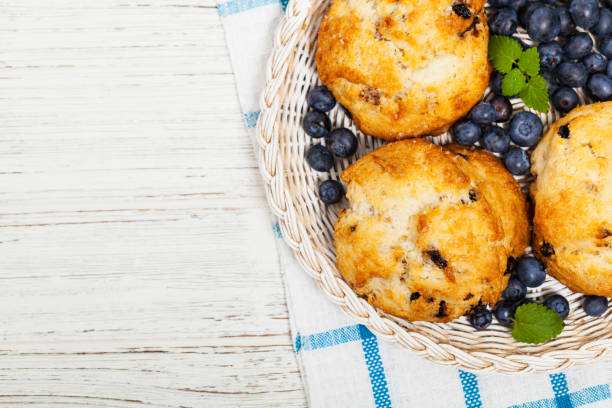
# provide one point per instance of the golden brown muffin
(422, 238)
(572, 225)
(501, 191)
(404, 68)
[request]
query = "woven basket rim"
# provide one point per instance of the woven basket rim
(318, 267)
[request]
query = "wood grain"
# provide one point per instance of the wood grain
(133, 273)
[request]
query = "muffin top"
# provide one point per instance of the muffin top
(404, 68)
(429, 230)
(572, 195)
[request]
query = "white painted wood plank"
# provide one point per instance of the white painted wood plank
(133, 268)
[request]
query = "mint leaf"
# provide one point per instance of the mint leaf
(535, 94)
(503, 52)
(513, 82)
(534, 324)
(529, 61)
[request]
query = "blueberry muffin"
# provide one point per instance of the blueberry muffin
(430, 230)
(404, 68)
(572, 194)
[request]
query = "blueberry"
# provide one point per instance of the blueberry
(503, 108)
(609, 69)
(578, 46)
(599, 87)
(331, 191)
(504, 311)
(483, 113)
(558, 304)
(531, 271)
(543, 24)
(572, 74)
(481, 318)
(565, 21)
(499, 3)
(343, 142)
(528, 10)
(595, 62)
(316, 124)
(517, 161)
(516, 290)
(517, 4)
(321, 99)
(551, 81)
(320, 158)
(595, 305)
(551, 54)
(564, 99)
(496, 81)
(525, 129)
(504, 22)
(496, 139)
(585, 13)
(605, 47)
(466, 133)
(525, 301)
(603, 28)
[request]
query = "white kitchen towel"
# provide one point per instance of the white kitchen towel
(342, 363)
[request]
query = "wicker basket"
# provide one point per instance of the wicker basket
(307, 224)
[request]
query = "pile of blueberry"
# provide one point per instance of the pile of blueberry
(530, 272)
(342, 142)
(569, 58)
(525, 130)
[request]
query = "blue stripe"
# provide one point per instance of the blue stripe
(559, 385)
(471, 393)
(250, 118)
(369, 344)
(590, 395)
(277, 231)
(378, 380)
(238, 6)
(544, 403)
(565, 399)
(328, 338)
(284, 4)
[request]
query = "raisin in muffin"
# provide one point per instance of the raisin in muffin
(572, 194)
(404, 68)
(430, 230)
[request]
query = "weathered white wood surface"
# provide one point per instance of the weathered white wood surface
(131, 271)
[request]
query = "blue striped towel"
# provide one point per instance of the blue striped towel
(342, 363)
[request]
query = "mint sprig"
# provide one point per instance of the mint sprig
(514, 82)
(534, 324)
(535, 94)
(521, 69)
(529, 61)
(503, 52)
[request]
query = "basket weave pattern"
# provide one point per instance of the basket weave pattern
(307, 224)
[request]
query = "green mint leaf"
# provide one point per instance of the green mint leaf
(535, 94)
(534, 324)
(529, 61)
(503, 52)
(513, 82)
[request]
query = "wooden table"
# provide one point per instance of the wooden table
(131, 268)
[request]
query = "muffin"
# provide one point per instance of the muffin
(404, 68)
(430, 230)
(572, 194)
